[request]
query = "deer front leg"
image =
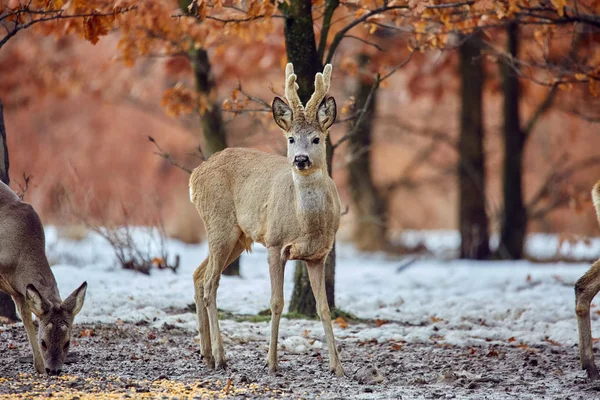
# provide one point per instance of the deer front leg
(316, 275)
(38, 361)
(585, 289)
(202, 315)
(276, 272)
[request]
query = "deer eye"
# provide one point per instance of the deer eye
(66, 346)
(43, 343)
(291, 140)
(316, 140)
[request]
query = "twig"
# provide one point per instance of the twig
(366, 42)
(362, 114)
(26, 179)
(554, 179)
(542, 108)
(337, 39)
(397, 67)
(168, 157)
(345, 210)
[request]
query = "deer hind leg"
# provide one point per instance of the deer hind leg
(222, 250)
(316, 275)
(25, 313)
(585, 289)
(276, 272)
(201, 313)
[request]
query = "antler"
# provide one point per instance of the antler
(291, 91)
(322, 83)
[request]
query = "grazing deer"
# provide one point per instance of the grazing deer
(289, 205)
(585, 289)
(25, 274)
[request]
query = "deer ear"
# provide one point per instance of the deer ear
(38, 305)
(74, 302)
(327, 113)
(282, 113)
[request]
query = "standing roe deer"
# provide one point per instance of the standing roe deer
(291, 206)
(585, 289)
(25, 274)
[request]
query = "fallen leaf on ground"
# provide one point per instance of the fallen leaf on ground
(341, 322)
(86, 333)
(380, 322)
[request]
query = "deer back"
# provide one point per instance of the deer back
(22, 248)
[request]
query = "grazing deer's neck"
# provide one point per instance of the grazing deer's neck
(40, 275)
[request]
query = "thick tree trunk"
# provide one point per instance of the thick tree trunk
(302, 52)
(514, 218)
(7, 306)
(473, 220)
(369, 229)
(212, 121)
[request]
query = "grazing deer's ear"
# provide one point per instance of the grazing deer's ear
(38, 305)
(74, 302)
(282, 113)
(327, 113)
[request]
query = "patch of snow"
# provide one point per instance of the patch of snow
(458, 302)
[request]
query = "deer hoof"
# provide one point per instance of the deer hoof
(272, 368)
(210, 362)
(221, 364)
(337, 370)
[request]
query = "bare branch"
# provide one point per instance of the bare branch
(417, 161)
(375, 45)
(554, 180)
(167, 156)
(542, 108)
(337, 39)
(450, 5)
(25, 186)
(397, 67)
(362, 114)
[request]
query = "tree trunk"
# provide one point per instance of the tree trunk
(302, 52)
(212, 121)
(7, 306)
(473, 220)
(514, 218)
(369, 229)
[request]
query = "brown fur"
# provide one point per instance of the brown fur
(291, 206)
(25, 274)
(585, 289)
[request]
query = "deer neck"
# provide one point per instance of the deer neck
(42, 278)
(311, 196)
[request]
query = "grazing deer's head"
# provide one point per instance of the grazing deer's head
(306, 128)
(55, 323)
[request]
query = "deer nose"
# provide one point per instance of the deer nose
(301, 161)
(54, 372)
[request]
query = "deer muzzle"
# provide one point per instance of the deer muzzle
(302, 162)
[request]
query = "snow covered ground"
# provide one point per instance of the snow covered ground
(457, 302)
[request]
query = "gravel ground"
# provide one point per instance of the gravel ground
(137, 361)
